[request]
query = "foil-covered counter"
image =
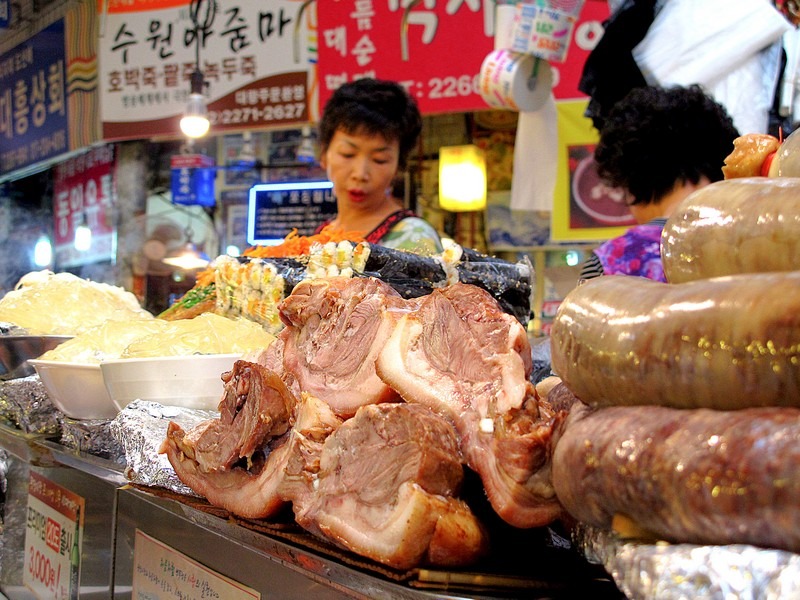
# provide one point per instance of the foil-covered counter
(662, 571)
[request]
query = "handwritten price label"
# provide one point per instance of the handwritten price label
(52, 540)
(162, 572)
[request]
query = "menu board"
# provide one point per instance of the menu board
(275, 209)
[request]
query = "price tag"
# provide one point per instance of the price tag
(53, 536)
(160, 571)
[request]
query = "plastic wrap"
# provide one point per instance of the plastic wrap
(140, 429)
(25, 403)
(205, 334)
(743, 225)
(722, 343)
(81, 304)
(679, 571)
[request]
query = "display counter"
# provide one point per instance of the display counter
(167, 546)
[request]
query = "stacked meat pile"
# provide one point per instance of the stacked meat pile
(362, 414)
(689, 425)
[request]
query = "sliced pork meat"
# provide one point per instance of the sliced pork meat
(385, 490)
(335, 329)
(255, 407)
(460, 355)
(271, 357)
(281, 469)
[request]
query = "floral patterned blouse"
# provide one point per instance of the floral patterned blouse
(636, 252)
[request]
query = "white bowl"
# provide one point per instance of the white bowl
(77, 389)
(188, 381)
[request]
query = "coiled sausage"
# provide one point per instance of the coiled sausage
(724, 343)
(697, 476)
(746, 225)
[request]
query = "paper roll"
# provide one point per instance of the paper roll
(515, 81)
(504, 26)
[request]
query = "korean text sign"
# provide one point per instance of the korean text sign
(253, 56)
(33, 105)
(275, 209)
(53, 539)
(434, 48)
(84, 192)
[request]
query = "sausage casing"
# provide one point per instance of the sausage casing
(696, 476)
(745, 225)
(723, 343)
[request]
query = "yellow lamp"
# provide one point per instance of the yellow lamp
(462, 178)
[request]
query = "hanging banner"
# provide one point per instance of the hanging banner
(435, 49)
(253, 55)
(53, 536)
(84, 192)
(33, 107)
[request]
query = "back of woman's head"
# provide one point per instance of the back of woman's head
(656, 137)
(373, 106)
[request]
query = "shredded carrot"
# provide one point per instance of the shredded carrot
(204, 278)
(300, 245)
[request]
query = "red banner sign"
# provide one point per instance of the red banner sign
(435, 49)
(84, 193)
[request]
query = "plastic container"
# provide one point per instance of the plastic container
(188, 381)
(76, 389)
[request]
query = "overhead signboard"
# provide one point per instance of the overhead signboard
(83, 193)
(435, 48)
(253, 56)
(275, 209)
(33, 100)
(5, 14)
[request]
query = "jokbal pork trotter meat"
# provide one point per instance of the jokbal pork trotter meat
(335, 328)
(460, 355)
(385, 489)
(696, 476)
(723, 343)
(240, 461)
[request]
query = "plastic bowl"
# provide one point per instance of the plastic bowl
(17, 350)
(187, 381)
(77, 389)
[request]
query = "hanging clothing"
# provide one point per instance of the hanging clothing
(610, 71)
(729, 47)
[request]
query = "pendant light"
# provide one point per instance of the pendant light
(188, 257)
(195, 123)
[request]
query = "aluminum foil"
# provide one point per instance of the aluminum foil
(25, 403)
(665, 571)
(140, 429)
(92, 436)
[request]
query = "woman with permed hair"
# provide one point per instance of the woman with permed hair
(658, 145)
(367, 130)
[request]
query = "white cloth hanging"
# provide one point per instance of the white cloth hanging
(726, 46)
(533, 180)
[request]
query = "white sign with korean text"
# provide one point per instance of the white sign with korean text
(53, 536)
(161, 572)
(253, 55)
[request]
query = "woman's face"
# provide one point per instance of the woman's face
(361, 167)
